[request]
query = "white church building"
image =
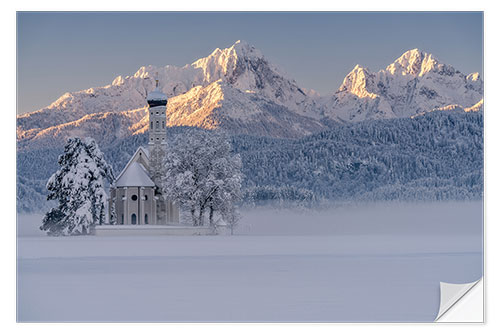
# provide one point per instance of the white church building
(136, 194)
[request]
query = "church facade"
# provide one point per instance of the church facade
(136, 196)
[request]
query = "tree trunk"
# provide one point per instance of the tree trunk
(200, 218)
(193, 217)
(211, 216)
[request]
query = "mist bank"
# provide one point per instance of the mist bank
(460, 218)
(357, 262)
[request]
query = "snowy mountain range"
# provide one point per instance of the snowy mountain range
(239, 90)
(415, 83)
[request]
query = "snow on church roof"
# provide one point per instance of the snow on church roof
(134, 175)
(156, 95)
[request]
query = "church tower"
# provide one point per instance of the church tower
(157, 102)
(167, 211)
(157, 106)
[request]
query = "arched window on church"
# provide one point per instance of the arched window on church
(162, 124)
(157, 124)
(122, 219)
(146, 219)
(151, 124)
(134, 219)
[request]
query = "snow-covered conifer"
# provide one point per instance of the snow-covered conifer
(78, 186)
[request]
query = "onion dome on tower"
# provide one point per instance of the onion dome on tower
(156, 97)
(157, 109)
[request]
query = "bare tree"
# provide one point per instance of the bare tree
(202, 174)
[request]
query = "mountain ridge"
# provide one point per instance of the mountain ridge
(238, 89)
(414, 83)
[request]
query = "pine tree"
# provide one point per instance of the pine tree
(78, 186)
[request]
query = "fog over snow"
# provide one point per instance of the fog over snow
(379, 262)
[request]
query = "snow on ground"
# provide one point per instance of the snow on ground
(380, 262)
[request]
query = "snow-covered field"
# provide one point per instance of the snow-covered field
(379, 262)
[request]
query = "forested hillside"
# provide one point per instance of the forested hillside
(436, 156)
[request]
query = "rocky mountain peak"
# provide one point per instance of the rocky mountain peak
(413, 62)
(357, 82)
(224, 62)
(416, 82)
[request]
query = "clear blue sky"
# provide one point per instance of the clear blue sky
(60, 52)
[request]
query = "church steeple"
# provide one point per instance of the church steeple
(157, 106)
(157, 97)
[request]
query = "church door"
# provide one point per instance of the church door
(134, 219)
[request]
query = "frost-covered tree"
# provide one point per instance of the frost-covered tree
(201, 173)
(78, 186)
(231, 218)
(224, 181)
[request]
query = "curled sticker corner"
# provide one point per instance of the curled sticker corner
(451, 294)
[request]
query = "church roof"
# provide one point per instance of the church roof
(134, 175)
(156, 97)
(139, 150)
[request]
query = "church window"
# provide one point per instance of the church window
(146, 219)
(151, 124)
(156, 112)
(134, 219)
(134, 197)
(157, 124)
(122, 219)
(145, 198)
(162, 124)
